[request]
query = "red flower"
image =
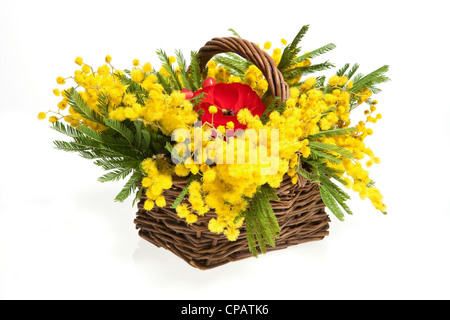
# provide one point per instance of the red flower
(229, 99)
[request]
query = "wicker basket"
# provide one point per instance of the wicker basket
(300, 211)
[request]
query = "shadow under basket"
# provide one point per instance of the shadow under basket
(300, 213)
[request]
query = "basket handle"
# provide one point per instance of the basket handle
(250, 51)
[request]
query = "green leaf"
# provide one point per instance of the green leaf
(66, 130)
(342, 70)
(326, 156)
(270, 108)
(270, 192)
(291, 50)
(116, 175)
(331, 203)
(186, 80)
(164, 81)
(234, 33)
(333, 188)
(138, 196)
(138, 137)
(261, 222)
(231, 65)
(306, 174)
(80, 106)
(332, 172)
(129, 187)
(122, 129)
(197, 99)
(370, 80)
(195, 72)
(331, 148)
(146, 139)
(110, 163)
(315, 53)
(173, 77)
(251, 234)
(337, 194)
(103, 103)
(185, 191)
(352, 71)
(332, 133)
(299, 71)
(370, 184)
(99, 137)
(70, 146)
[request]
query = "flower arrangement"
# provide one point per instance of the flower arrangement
(218, 124)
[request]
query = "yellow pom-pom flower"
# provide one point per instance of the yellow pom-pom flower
(182, 211)
(53, 119)
(333, 80)
(148, 205)
(135, 62)
(86, 69)
(42, 115)
(181, 170)
(79, 61)
(267, 45)
(108, 59)
(212, 109)
(191, 218)
(160, 201)
(60, 80)
(137, 75)
(147, 67)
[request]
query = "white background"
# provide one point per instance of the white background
(63, 237)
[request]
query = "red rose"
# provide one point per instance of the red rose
(229, 99)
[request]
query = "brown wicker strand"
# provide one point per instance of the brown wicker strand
(251, 52)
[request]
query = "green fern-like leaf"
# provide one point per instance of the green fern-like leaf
(164, 81)
(185, 191)
(331, 148)
(315, 53)
(129, 187)
(65, 129)
(116, 175)
(231, 65)
(299, 71)
(326, 156)
(173, 77)
(261, 223)
(352, 71)
(342, 70)
(331, 203)
(306, 174)
(234, 33)
(70, 146)
(370, 80)
(292, 50)
(80, 106)
(195, 72)
(334, 173)
(120, 128)
(331, 133)
(186, 80)
(101, 138)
